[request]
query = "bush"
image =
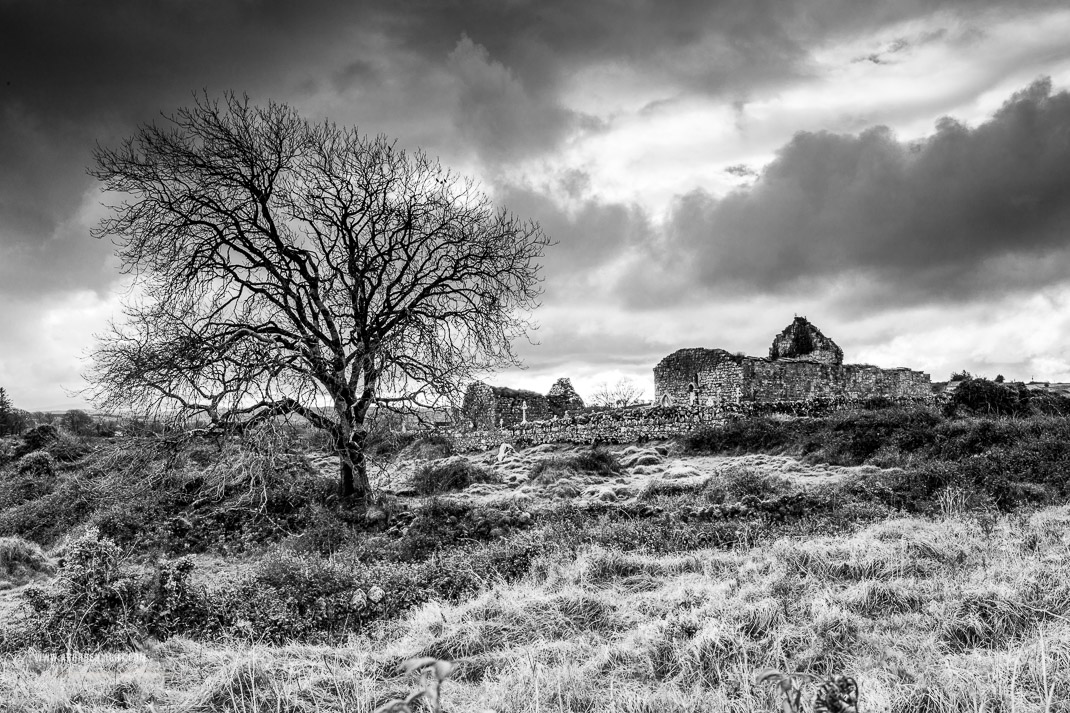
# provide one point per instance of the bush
(98, 603)
(21, 561)
(454, 474)
(431, 446)
(739, 483)
(753, 435)
(989, 398)
(37, 463)
(853, 438)
(92, 605)
(325, 533)
(594, 461)
(47, 517)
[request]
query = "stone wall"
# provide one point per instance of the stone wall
(606, 427)
(488, 407)
(715, 378)
(902, 383)
(802, 340)
(652, 422)
(768, 381)
(681, 373)
(562, 398)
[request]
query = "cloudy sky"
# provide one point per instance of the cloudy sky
(898, 172)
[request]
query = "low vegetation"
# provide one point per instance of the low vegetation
(227, 576)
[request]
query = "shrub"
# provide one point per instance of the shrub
(21, 561)
(753, 435)
(450, 475)
(292, 597)
(853, 438)
(98, 603)
(594, 461)
(93, 604)
(431, 446)
(325, 533)
(739, 483)
(37, 463)
(45, 518)
(984, 397)
(39, 438)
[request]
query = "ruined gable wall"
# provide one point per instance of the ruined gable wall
(802, 340)
(677, 372)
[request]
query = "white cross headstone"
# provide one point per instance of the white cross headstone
(523, 412)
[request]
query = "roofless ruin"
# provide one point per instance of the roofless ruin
(802, 364)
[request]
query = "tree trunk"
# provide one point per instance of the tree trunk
(353, 467)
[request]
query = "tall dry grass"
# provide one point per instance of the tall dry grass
(952, 614)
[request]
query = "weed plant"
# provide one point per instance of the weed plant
(593, 461)
(450, 475)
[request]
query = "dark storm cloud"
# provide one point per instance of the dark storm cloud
(589, 235)
(966, 212)
(74, 73)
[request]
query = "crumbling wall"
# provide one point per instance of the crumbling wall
(563, 397)
(802, 340)
(803, 364)
(862, 380)
(768, 381)
(510, 405)
(679, 375)
(489, 407)
(724, 384)
(789, 380)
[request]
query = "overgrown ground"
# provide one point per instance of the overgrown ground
(927, 557)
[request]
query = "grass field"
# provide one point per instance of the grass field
(911, 568)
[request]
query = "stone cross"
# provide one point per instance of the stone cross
(523, 412)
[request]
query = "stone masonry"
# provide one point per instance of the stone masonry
(803, 364)
(562, 397)
(487, 407)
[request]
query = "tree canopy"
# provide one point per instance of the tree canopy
(289, 267)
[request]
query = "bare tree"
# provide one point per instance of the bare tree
(624, 393)
(284, 267)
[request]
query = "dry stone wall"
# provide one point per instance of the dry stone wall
(647, 423)
(605, 427)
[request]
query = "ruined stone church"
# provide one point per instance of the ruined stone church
(802, 364)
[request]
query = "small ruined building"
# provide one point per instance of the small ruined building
(487, 407)
(802, 364)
